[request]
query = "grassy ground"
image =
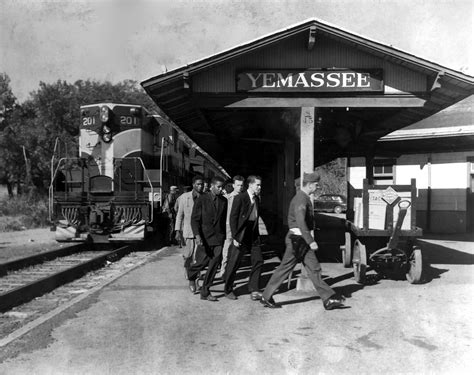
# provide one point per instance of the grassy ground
(22, 212)
(9, 251)
(3, 192)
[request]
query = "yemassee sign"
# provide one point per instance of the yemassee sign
(311, 80)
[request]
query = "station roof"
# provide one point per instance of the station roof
(218, 117)
(451, 129)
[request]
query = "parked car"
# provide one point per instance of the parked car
(331, 203)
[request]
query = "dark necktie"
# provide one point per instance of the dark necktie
(254, 208)
(214, 200)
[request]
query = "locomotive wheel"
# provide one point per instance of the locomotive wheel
(359, 262)
(347, 251)
(416, 266)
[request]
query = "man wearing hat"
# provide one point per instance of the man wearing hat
(301, 247)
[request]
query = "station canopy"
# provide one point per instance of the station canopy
(449, 130)
(243, 104)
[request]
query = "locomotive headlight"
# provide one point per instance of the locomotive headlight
(106, 133)
(104, 113)
(135, 111)
(107, 137)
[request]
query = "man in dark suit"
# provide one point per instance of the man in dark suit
(301, 247)
(243, 222)
(208, 226)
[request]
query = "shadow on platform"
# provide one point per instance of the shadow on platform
(441, 254)
(457, 237)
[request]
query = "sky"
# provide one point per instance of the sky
(137, 39)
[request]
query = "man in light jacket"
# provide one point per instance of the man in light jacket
(184, 231)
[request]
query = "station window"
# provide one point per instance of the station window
(384, 171)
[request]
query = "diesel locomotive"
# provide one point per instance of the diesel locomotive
(128, 158)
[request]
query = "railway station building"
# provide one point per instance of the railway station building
(297, 98)
(439, 153)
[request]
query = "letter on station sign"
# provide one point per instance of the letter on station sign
(283, 82)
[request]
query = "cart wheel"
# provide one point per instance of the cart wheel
(416, 266)
(347, 251)
(359, 262)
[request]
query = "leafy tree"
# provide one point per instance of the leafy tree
(333, 177)
(10, 150)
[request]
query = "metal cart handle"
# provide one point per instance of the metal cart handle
(403, 205)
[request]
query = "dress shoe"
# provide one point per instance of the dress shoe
(255, 296)
(198, 286)
(192, 286)
(209, 297)
(334, 302)
(231, 295)
(270, 303)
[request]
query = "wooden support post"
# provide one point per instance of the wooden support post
(289, 178)
(307, 122)
(306, 141)
(369, 167)
(413, 207)
(365, 203)
(279, 178)
(428, 199)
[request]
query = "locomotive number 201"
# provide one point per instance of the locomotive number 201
(128, 120)
(88, 121)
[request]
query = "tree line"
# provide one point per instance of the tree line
(28, 130)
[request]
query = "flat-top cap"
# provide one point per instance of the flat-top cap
(311, 177)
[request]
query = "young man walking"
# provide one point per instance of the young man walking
(184, 231)
(243, 222)
(238, 186)
(301, 247)
(208, 225)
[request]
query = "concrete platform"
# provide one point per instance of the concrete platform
(149, 323)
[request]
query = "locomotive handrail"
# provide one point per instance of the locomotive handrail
(53, 177)
(151, 187)
(57, 168)
(53, 174)
(149, 182)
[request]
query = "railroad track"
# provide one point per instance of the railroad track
(25, 279)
